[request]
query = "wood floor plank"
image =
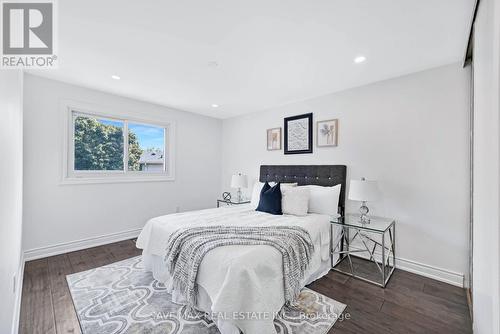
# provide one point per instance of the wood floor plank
(338, 292)
(401, 281)
(80, 261)
(37, 315)
(66, 320)
(430, 325)
(123, 250)
(427, 305)
(409, 304)
(100, 256)
(446, 291)
(338, 278)
(430, 306)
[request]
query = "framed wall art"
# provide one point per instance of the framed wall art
(327, 133)
(274, 139)
(298, 134)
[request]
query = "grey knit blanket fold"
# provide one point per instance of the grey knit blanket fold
(186, 249)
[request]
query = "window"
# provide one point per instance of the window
(146, 146)
(104, 148)
(98, 144)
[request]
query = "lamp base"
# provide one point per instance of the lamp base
(239, 198)
(363, 210)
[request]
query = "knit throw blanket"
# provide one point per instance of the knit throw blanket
(187, 247)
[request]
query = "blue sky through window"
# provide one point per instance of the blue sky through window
(112, 123)
(148, 136)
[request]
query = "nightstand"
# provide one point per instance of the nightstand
(232, 202)
(365, 251)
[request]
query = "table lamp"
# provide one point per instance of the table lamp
(239, 181)
(363, 191)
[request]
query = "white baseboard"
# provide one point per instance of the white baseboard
(19, 292)
(439, 274)
(38, 253)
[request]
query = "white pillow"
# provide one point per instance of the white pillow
(295, 201)
(324, 200)
(257, 187)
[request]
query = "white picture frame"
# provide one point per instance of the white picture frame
(274, 139)
(327, 133)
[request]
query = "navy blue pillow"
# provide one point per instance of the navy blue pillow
(270, 199)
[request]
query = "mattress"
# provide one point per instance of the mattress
(241, 287)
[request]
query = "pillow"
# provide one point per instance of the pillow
(257, 187)
(295, 200)
(270, 199)
(324, 200)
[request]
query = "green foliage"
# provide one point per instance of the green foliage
(99, 146)
(134, 152)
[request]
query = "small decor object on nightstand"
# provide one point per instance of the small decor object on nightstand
(239, 181)
(226, 196)
(364, 191)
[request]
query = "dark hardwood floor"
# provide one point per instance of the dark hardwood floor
(409, 304)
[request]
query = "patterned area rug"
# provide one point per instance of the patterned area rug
(123, 298)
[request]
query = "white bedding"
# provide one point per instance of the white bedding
(237, 278)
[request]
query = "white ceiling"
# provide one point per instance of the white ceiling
(268, 52)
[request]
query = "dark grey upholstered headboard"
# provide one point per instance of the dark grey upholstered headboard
(320, 175)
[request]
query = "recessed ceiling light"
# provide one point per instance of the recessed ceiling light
(359, 59)
(116, 77)
(215, 106)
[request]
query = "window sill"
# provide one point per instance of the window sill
(102, 180)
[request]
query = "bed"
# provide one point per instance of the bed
(241, 287)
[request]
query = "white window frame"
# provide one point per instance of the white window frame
(72, 176)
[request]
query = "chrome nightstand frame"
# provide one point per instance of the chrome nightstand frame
(377, 252)
(221, 201)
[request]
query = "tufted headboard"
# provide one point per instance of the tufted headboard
(320, 175)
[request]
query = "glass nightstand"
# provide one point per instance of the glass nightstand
(232, 202)
(364, 251)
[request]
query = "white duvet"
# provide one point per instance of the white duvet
(241, 286)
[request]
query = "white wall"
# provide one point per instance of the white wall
(410, 134)
(11, 187)
(486, 277)
(55, 213)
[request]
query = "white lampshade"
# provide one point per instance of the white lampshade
(239, 181)
(363, 190)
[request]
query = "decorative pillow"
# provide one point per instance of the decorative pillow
(324, 200)
(295, 201)
(270, 199)
(257, 187)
